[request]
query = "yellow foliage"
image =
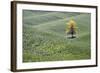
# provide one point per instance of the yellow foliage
(71, 24)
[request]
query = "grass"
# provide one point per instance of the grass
(44, 37)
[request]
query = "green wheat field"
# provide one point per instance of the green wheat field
(44, 36)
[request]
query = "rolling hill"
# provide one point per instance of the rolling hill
(44, 37)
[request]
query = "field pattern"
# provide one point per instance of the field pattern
(44, 36)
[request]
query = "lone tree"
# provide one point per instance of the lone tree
(71, 29)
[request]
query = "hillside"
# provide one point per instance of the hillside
(44, 37)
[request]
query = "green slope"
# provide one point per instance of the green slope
(47, 40)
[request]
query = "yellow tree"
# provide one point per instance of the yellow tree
(71, 28)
